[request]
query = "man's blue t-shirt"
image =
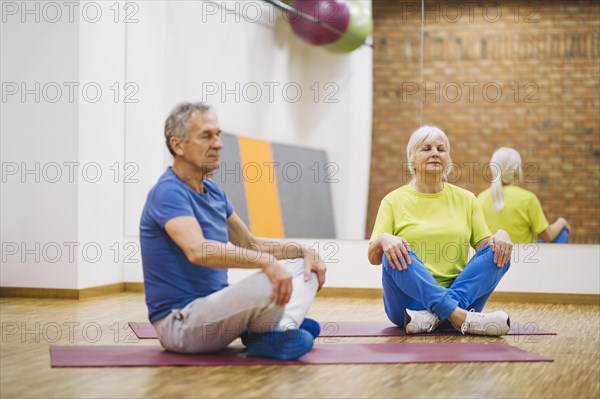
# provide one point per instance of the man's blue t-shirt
(170, 280)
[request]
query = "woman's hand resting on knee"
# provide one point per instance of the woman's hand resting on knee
(397, 251)
(501, 245)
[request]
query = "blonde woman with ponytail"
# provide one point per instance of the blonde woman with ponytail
(514, 209)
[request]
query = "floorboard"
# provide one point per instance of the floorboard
(30, 326)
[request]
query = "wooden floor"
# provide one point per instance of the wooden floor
(30, 326)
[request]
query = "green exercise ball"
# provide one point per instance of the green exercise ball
(359, 28)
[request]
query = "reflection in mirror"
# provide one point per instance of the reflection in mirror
(491, 75)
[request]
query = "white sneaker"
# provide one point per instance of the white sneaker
(420, 321)
(491, 324)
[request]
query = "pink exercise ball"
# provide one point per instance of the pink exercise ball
(335, 13)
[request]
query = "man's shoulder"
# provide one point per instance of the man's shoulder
(167, 185)
(211, 186)
(168, 177)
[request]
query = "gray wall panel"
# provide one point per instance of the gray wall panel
(229, 176)
(304, 191)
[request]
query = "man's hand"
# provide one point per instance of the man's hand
(314, 263)
(282, 282)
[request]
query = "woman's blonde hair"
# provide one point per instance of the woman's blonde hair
(506, 169)
(423, 135)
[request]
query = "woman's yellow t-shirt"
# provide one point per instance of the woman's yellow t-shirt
(522, 216)
(440, 227)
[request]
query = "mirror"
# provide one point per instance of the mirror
(493, 74)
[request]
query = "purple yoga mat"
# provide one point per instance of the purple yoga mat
(364, 329)
(152, 356)
(387, 329)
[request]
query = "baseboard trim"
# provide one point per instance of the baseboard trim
(543, 297)
(61, 293)
(26, 292)
(134, 287)
(328, 292)
(342, 292)
(101, 290)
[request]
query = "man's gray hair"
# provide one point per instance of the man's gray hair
(178, 122)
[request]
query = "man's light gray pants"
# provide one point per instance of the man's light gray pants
(211, 323)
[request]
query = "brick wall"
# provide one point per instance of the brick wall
(518, 74)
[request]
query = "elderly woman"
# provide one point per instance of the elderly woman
(422, 236)
(514, 209)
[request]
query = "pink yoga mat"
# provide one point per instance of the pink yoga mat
(364, 329)
(152, 356)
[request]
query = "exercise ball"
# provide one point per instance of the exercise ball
(334, 13)
(359, 28)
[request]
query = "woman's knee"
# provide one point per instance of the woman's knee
(484, 258)
(413, 259)
(486, 254)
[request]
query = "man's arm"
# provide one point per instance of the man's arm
(187, 234)
(240, 235)
(185, 231)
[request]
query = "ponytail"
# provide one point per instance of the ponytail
(506, 169)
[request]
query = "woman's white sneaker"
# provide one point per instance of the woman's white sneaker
(491, 324)
(420, 321)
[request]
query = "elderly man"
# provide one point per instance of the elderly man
(190, 235)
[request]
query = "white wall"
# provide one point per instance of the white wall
(101, 142)
(65, 218)
(164, 54)
(39, 133)
(546, 268)
(145, 115)
(158, 53)
(232, 59)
